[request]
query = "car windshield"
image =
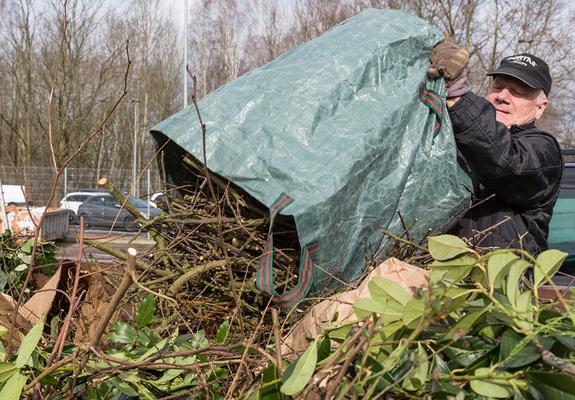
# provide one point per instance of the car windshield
(77, 197)
(137, 202)
(109, 201)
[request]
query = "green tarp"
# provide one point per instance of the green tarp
(339, 125)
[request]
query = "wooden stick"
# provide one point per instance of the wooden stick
(122, 255)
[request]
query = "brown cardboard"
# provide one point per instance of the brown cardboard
(323, 314)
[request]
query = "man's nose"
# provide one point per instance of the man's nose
(503, 95)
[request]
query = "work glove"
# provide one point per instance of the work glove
(450, 61)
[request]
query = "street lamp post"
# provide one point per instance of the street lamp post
(524, 44)
(185, 53)
(135, 150)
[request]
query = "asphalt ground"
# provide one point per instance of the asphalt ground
(117, 239)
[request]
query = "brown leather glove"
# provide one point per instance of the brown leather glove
(447, 60)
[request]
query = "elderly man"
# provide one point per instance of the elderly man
(515, 167)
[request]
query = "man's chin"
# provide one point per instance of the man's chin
(504, 118)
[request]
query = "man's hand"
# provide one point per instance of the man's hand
(447, 60)
(450, 61)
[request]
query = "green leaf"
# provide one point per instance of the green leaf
(465, 357)
(389, 330)
(168, 376)
(445, 247)
(123, 387)
(413, 311)
(549, 261)
(498, 266)
(453, 270)
(270, 391)
(144, 393)
(29, 343)
(154, 349)
(339, 334)
(515, 273)
(567, 341)
(324, 349)
(302, 372)
(146, 311)
(552, 385)
(3, 280)
(451, 292)
(123, 333)
(382, 289)
(491, 387)
(465, 324)
(516, 352)
(417, 376)
(12, 389)
(6, 371)
(525, 309)
(366, 306)
(27, 246)
(222, 332)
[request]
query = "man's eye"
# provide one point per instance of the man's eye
(518, 92)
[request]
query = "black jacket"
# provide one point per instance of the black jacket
(516, 174)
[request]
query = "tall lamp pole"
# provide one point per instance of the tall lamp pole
(524, 44)
(185, 53)
(135, 150)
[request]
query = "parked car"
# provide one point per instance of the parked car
(73, 200)
(562, 226)
(103, 210)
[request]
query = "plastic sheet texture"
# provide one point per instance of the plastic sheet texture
(338, 124)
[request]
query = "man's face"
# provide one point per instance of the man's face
(515, 102)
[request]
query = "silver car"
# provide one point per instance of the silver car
(104, 211)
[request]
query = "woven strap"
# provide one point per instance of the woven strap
(265, 280)
(432, 99)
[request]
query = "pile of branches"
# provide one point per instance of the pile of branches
(209, 242)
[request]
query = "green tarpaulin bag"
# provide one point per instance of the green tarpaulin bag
(342, 133)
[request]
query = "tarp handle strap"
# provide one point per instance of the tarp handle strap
(433, 100)
(265, 280)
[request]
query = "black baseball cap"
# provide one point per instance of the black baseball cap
(531, 70)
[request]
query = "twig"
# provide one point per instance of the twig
(232, 386)
(552, 360)
(278, 337)
(48, 370)
(114, 302)
(402, 240)
(74, 302)
(223, 185)
(213, 194)
(178, 283)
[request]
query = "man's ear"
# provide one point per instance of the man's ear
(541, 108)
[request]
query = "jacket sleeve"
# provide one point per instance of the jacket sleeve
(522, 169)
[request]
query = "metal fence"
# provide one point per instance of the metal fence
(38, 181)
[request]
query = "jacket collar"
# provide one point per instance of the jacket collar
(519, 128)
